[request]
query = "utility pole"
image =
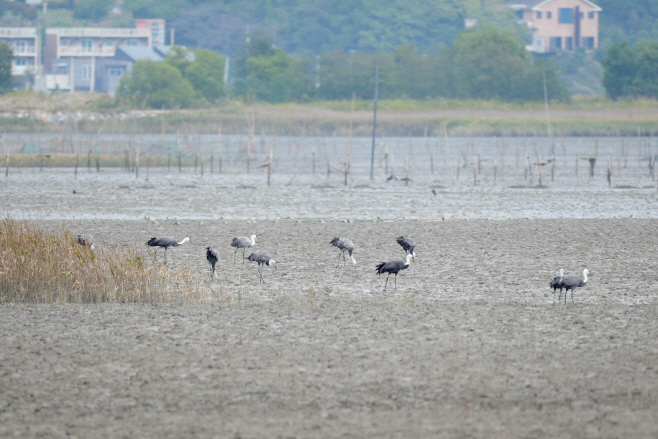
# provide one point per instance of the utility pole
(374, 125)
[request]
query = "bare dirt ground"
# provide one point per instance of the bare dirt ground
(472, 343)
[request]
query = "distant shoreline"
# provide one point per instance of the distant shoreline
(86, 113)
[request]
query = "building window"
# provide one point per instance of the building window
(519, 14)
(131, 43)
(549, 15)
(590, 15)
(86, 72)
(20, 46)
(588, 42)
(116, 71)
(556, 42)
(538, 14)
(87, 45)
(565, 15)
(568, 43)
(21, 61)
(109, 43)
(582, 15)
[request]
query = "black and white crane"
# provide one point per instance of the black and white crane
(393, 267)
(556, 282)
(409, 246)
(86, 240)
(572, 281)
(212, 256)
(261, 257)
(165, 242)
(242, 242)
(344, 245)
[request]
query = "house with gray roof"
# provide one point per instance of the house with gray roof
(110, 70)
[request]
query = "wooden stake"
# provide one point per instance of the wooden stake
(495, 166)
(348, 159)
(452, 177)
(406, 171)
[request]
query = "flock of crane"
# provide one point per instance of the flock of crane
(264, 258)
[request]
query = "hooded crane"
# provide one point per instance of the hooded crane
(556, 282)
(261, 257)
(393, 267)
(344, 245)
(242, 242)
(86, 240)
(572, 281)
(165, 242)
(409, 245)
(212, 256)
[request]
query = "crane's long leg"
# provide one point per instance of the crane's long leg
(344, 261)
(261, 274)
(235, 254)
(243, 250)
(338, 261)
(165, 255)
(396, 281)
(386, 284)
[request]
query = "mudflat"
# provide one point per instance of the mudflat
(472, 343)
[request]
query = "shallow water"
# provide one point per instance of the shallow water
(116, 194)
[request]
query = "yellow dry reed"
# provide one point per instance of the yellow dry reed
(42, 267)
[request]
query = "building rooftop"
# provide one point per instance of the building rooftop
(530, 4)
(18, 31)
(98, 31)
(140, 52)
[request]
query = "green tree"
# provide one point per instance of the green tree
(491, 63)
(91, 9)
(6, 56)
(412, 74)
(619, 70)
(277, 78)
(156, 85)
(259, 44)
(645, 82)
(206, 74)
(179, 57)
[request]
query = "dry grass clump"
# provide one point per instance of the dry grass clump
(36, 266)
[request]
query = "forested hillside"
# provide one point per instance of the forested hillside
(312, 27)
(628, 20)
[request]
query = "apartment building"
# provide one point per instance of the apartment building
(24, 42)
(71, 54)
(157, 28)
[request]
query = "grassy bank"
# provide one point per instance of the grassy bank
(41, 267)
(582, 117)
(84, 161)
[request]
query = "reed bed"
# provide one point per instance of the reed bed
(42, 267)
(68, 160)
